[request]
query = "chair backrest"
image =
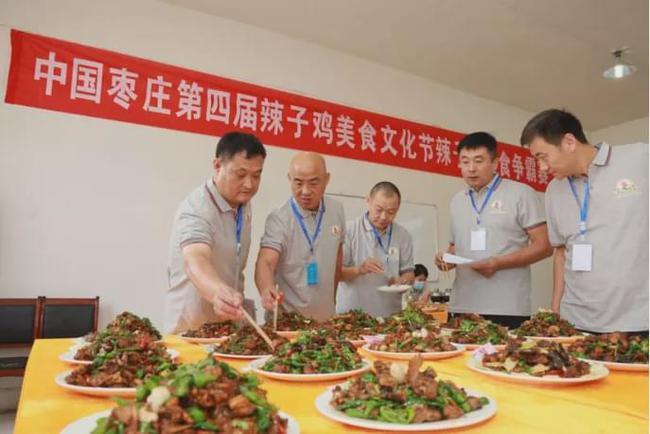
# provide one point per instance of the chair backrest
(68, 317)
(19, 321)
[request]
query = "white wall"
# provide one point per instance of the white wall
(86, 204)
(621, 134)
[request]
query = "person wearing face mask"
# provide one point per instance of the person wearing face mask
(377, 252)
(421, 274)
(501, 225)
(300, 250)
(211, 236)
(597, 207)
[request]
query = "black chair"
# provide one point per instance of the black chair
(19, 322)
(68, 317)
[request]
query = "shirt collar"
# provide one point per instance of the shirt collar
(304, 212)
(219, 201)
(366, 223)
(603, 155)
(369, 227)
(484, 188)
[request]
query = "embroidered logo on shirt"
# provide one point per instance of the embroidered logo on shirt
(625, 187)
(497, 207)
(336, 230)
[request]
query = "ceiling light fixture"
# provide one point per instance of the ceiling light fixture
(620, 68)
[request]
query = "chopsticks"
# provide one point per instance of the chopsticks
(258, 329)
(275, 315)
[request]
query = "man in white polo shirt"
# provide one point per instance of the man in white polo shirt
(377, 252)
(597, 208)
(501, 225)
(211, 237)
(301, 246)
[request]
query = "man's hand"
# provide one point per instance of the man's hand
(487, 267)
(371, 265)
(227, 303)
(442, 265)
(269, 296)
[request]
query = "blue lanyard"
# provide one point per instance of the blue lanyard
(300, 219)
(378, 236)
(495, 184)
(239, 222)
(239, 219)
(584, 208)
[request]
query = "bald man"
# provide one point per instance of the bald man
(301, 248)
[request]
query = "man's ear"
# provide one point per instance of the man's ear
(569, 142)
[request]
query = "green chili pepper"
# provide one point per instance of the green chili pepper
(201, 379)
(196, 413)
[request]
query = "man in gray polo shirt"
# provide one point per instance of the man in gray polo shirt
(500, 224)
(301, 246)
(211, 237)
(377, 252)
(597, 207)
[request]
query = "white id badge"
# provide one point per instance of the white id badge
(581, 257)
(478, 241)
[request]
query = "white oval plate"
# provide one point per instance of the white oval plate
(211, 350)
(68, 356)
(471, 418)
(618, 366)
(202, 340)
(94, 391)
(558, 339)
(256, 365)
(470, 347)
(598, 372)
(425, 356)
(394, 288)
(80, 341)
(87, 424)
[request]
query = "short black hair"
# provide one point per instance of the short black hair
(551, 125)
(477, 140)
(388, 188)
(234, 142)
(421, 269)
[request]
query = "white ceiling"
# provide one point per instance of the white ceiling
(531, 54)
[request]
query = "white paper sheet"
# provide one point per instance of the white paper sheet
(454, 259)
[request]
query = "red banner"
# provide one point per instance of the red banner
(64, 76)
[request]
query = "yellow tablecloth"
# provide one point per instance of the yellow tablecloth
(617, 404)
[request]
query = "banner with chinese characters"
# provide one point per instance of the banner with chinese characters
(63, 76)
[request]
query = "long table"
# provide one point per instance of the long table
(617, 404)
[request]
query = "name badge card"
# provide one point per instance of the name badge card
(581, 257)
(312, 273)
(392, 262)
(478, 240)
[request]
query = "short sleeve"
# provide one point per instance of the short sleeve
(554, 236)
(530, 210)
(274, 232)
(193, 228)
(406, 253)
(348, 258)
